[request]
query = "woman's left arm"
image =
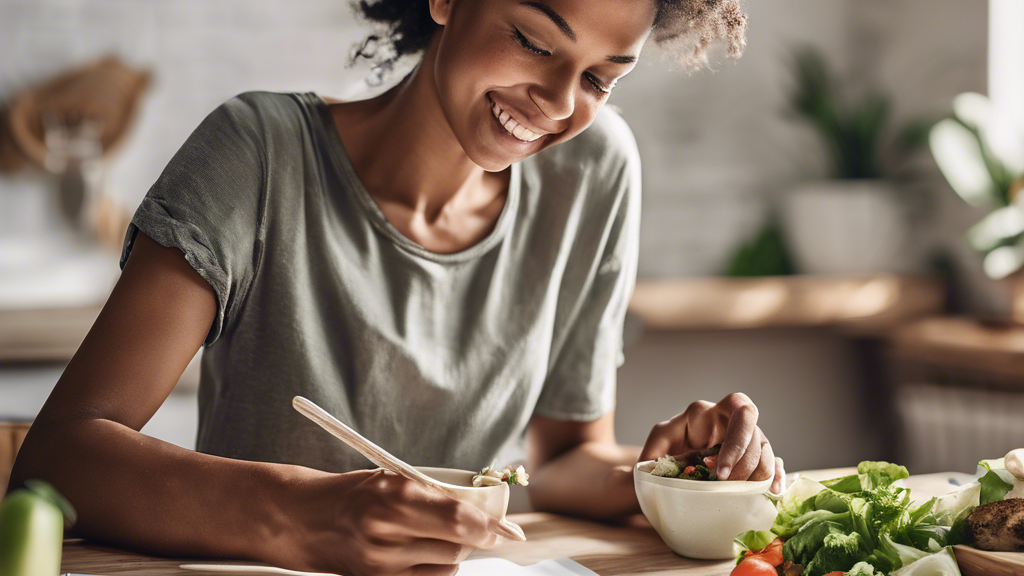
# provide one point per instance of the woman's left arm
(579, 468)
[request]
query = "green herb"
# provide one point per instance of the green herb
(863, 521)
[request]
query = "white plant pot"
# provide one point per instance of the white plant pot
(846, 227)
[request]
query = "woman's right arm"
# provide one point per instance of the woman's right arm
(138, 491)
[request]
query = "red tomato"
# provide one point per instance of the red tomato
(689, 470)
(753, 566)
(836, 574)
(771, 554)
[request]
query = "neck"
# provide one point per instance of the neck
(405, 151)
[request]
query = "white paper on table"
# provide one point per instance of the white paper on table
(493, 566)
(476, 567)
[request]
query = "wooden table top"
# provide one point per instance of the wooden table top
(607, 550)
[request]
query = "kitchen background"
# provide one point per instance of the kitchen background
(721, 153)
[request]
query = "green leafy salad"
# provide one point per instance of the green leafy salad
(866, 524)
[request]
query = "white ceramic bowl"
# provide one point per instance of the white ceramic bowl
(700, 519)
(493, 500)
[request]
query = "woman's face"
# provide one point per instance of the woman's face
(539, 68)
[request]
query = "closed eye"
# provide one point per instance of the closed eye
(525, 42)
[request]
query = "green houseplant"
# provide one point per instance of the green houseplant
(981, 154)
(852, 222)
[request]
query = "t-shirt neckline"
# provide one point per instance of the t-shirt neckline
(343, 164)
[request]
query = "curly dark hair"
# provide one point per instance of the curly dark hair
(689, 27)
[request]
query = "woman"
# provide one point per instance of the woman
(445, 266)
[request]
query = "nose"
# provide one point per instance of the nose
(556, 97)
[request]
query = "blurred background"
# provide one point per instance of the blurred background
(829, 223)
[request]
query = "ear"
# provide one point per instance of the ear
(440, 10)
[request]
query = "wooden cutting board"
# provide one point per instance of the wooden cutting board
(974, 562)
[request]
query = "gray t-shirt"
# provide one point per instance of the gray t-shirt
(440, 358)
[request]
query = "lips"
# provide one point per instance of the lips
(514, 125)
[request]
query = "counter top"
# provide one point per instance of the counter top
(607, 550)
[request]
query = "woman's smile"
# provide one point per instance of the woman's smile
(514, 124)
(511, 128)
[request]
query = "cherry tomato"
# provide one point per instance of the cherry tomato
(689, 470)
(754, 566)
(771, 554)
(836, 574)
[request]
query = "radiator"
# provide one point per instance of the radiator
(948, 428)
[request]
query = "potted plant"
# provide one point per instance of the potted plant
(853, 221)
(981, 154)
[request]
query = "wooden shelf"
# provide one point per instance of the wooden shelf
(869, 305)
(963, 343)
(44, 334)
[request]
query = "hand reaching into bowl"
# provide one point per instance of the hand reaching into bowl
(746, 453)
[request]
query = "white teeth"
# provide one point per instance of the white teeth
(512, 127)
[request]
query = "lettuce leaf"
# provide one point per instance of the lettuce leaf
(993, 487)
(879, 474)
(866, 520)
(939, 564)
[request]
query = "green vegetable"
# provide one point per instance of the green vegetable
(879, 474)
(863, 519)
(940, 564)
(838, 552)
(862, 569)
(993, 488)
(32, 524)
(845, 484)
(802, 547)
(960, 532)
(755, 540)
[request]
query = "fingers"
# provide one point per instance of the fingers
(459, 523)
(658, 443)
(684, 431)
(418, 511)
(779, 484)
(745, 464)
(431, 570)
(766, 466)
(430, 551)
(739, 440)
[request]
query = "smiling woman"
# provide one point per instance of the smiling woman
(445, 267)
(688, 26)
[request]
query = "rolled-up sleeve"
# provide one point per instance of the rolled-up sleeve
(208, 203)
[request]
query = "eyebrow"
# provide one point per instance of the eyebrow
(568, 31)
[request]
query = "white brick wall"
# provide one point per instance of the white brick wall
(715, 146)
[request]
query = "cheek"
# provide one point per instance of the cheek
(582, 116)
(466, 64)
(472, 60)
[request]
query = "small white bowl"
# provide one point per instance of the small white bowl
(493, 500)
(700, 519)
